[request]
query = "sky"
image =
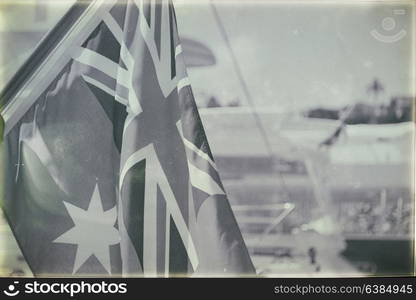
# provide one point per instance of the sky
(295, 55)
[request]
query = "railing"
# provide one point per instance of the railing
(254, 214)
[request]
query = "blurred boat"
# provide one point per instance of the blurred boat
(366, 159)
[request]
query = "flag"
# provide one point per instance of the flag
(1, 158)
(108, 167)
(1, 128)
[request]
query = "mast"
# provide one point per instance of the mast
(249, 98)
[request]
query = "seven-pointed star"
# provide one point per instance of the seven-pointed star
(93, 232)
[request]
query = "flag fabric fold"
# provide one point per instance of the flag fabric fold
(109, 170)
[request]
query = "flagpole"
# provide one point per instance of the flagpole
(42, 50)
(52, 53)
(247, 94)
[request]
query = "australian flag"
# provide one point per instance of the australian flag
(107, 167)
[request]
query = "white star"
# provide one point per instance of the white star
(93, 232)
